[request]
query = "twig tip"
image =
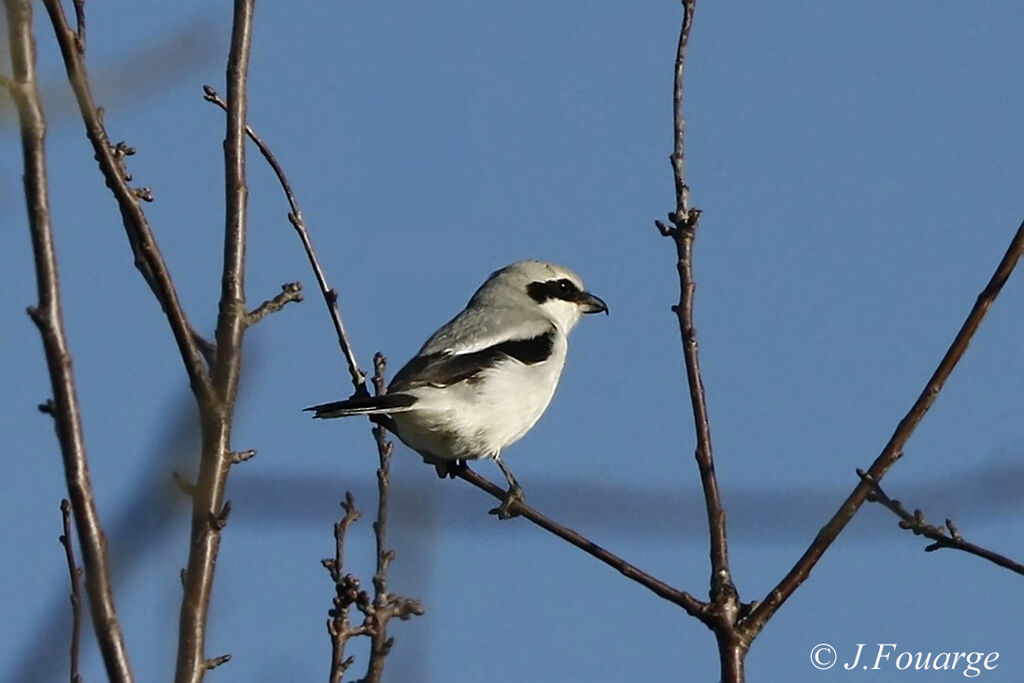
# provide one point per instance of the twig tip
(214, 662)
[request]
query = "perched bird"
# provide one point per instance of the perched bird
(485, 378)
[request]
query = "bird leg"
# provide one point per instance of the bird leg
(512, 496)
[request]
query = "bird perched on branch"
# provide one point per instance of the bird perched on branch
(485, 378)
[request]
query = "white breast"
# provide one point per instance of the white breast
(477, 418)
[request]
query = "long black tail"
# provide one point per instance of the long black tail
(371, 405)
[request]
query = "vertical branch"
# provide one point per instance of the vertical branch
(346, 594)
(380, 644)
(384, 606)
(49, 319)
(75, 575)
(893, 450)
(230, 322)
(684, 231)
(679, 121)
(723, 610)
(209, 510)
(685, 221)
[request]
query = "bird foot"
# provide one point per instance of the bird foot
(512, 496)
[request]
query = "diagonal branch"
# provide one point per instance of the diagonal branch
(692, 605)
(295, 218)
(148, 258)
(290, 291)
(943, 538)
(894, 448)
(49, 319)
(209, 509)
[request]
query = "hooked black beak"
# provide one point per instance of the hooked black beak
(592, 304)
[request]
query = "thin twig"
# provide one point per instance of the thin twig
(148, 258)
(346, 594)
(330, 294)
(692, 605)
(242, 456)
(209, 509)
(386, 605)
(75, 575)
(948, 537)
(214, 662)
(678, 118)
(894, 448)
(49, 319)
(380, 644)
(290, 291)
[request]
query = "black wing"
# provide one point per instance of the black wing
(445, 369)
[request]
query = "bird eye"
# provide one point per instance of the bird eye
(563, 289)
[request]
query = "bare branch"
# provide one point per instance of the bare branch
(330, 295)
(49, 319)
(209, 510)
(290, 291)
(75, 575)
(679, 121)
(380, 644)
(242, 456)
(944, 538)
(385, 605)
(214, 662)
(894, 448)
(724, 610)
(347, 593)
(148, 258)
(692, 605)
(685, 219)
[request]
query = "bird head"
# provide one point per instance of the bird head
(554, 291)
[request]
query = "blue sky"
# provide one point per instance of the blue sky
(859, 169)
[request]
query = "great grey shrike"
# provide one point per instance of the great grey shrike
(485, 378)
